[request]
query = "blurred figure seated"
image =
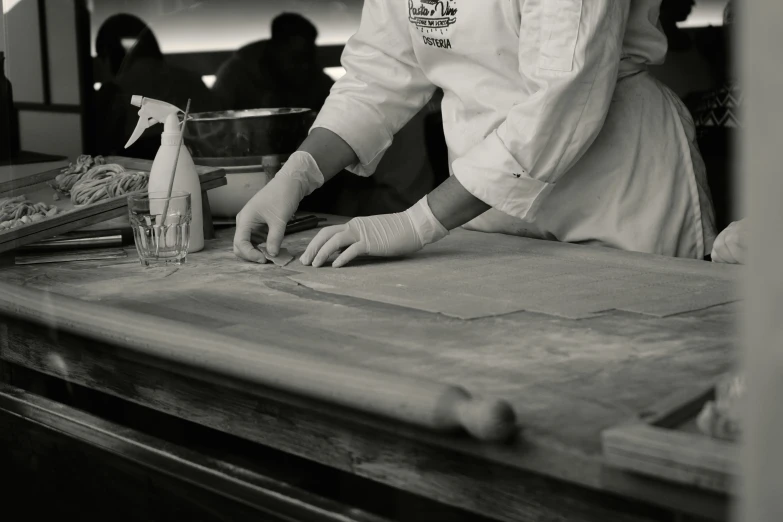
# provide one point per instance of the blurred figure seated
(130, 63)
(404, 175)
(280, 72)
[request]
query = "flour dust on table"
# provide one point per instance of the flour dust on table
(471, 275)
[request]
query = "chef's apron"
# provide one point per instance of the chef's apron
(641, 186)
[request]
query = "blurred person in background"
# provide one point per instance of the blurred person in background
(406, 173)
(274, 73)
(283, 72)
(130, 62)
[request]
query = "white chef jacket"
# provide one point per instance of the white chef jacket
(549, 115)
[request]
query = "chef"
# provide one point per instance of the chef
(555, 131)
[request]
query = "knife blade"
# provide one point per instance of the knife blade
(293, 226)
(78, 240)
(37, 258)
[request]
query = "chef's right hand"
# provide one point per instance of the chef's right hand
(275, 204)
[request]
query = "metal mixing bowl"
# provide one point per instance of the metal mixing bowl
(246, 137)
(250, 145)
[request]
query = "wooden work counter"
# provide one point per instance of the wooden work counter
(568, 380)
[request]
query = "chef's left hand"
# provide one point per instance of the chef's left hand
(384, 235)
(731, 244)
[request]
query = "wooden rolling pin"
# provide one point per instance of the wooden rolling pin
(432, 405)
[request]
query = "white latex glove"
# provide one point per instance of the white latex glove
(731, 245)
(384, 235)
(275, 205)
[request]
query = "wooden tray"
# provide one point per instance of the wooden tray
(664, 442)
(37, 189)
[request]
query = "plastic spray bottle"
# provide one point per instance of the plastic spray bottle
(186, 178)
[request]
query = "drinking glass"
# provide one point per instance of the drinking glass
(159, 241)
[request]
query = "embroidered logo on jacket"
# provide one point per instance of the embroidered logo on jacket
(433, 18)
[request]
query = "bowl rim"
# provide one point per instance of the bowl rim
(247, 113)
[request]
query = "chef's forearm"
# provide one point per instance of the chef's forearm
(330, 152)
(453, 205)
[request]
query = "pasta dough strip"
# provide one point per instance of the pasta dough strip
(107, 181)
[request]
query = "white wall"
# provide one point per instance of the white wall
(43, 129)
(706, 12)
(2, 32)
(23, 52)
(63, 59)
(51, 132)
(179, 25)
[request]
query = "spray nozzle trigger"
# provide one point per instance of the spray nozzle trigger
(150, 113)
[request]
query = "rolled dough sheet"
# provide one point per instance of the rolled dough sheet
(283, 257)
(470, 275)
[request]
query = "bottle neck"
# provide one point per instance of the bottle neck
(170, 138)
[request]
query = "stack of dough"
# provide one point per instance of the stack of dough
(71, 175)
(91, 179)
(107, 181)
(18, 211)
